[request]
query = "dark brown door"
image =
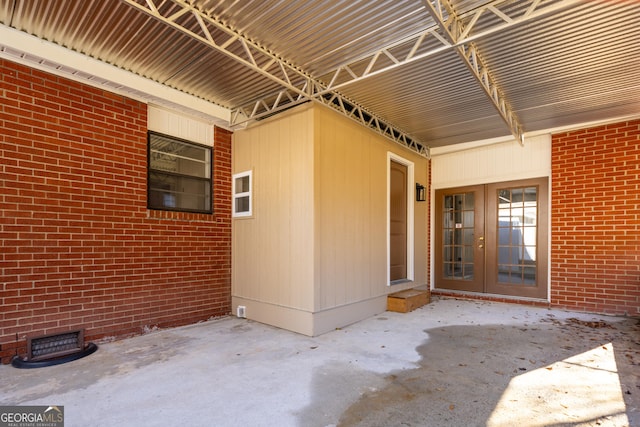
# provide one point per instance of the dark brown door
(460, 239)
(397, 221)
(493, 238)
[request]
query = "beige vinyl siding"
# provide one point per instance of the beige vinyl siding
(351, 212)
(272, 255)
(504, 161)
(313, 256)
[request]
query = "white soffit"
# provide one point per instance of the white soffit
(25, 49)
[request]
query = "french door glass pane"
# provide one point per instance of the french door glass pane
(517, 229)
(458, 231)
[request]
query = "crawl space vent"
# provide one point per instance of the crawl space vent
(56, 345)
(54, 349)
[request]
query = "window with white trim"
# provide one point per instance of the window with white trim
(242, 194)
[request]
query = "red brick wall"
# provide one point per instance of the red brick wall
(595, 254)
(79, 247)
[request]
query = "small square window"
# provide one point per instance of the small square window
(242, 195)
(179, 175)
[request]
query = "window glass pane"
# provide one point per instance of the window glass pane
(504, 254)
(530, 215)
(179, 175)
(179, 157)
(448, 237)
(468, 219)
(530, 253)
(531, 194)
(516, 195)
(468, 253)
(242, 184)
(515, 276)
(529, 276)
(504, 216)
(448, 269)
(468, 271)
(448, 253)
(168, 191)
(242, 194)
(517, 220)
(448, 202)
(457, 201)
(468, 237)
(469, 201)
(457, 236)
(457, 270)
(242, 204)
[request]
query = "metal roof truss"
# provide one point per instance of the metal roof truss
(456, 33)
(298, 87)
(496, 16)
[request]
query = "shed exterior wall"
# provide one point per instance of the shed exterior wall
(313, 255)
(273, 254)
(351, 194)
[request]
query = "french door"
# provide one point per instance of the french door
(493, 238)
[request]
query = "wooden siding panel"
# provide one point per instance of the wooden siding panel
(273, 256)
(493, 163)
(181, 126)
(301, 214)
(352, 210)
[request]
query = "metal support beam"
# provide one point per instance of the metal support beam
(453, 30)
(298, 87)
(482, 21)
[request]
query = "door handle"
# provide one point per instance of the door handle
(481, 242)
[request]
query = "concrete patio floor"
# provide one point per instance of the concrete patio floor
(449, 363)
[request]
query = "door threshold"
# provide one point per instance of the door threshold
(399, 282)
(490, 297)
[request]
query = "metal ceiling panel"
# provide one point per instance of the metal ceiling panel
(426, 95)
(576, 66)
(578, 62)
(318, 36)
(118, 34)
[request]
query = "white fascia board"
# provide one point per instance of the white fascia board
(20, 47)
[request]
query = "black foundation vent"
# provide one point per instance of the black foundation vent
(54, 349)
(55, 345)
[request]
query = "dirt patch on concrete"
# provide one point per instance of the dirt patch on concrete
(553, 372)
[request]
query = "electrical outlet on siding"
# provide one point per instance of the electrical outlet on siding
(241, 311)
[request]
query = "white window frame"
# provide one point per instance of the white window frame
(410, 215)
(235, 195)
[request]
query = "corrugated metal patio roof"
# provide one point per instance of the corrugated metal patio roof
(422, 68)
